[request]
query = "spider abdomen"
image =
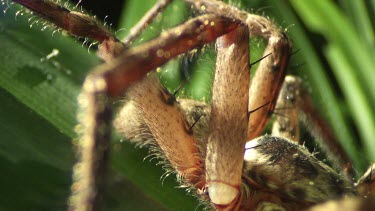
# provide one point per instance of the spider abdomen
(281, 166)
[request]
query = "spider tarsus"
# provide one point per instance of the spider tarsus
(136, 30)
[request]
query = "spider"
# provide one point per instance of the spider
(204, 145)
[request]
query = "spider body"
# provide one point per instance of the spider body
(302, 180)
(206, 145)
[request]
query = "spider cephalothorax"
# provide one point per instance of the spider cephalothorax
(216, 149)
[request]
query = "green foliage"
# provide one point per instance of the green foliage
(38, 99)
(348, 51)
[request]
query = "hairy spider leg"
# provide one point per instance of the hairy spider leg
(166, 125)
(268, 79)
(77, 24)
(142, 24)
(96, 101)
(228, 120)
(114, 78)
(111, 80)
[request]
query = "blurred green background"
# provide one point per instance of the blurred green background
(336, 58)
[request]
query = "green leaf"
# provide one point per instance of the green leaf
(48, 88)
(352, 64)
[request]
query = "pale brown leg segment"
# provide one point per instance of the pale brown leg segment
(164, 123)
(228, 125)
